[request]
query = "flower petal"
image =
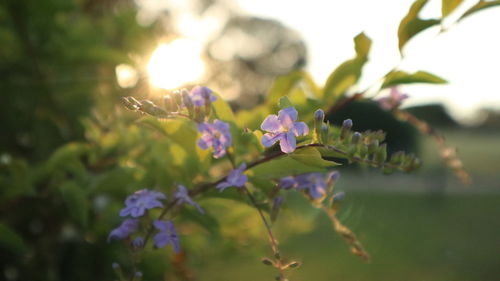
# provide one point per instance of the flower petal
(300, 129)
(287, 116)
(270, 138)
(288, 142)
(271, 124)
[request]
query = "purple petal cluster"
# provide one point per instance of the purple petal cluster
(166, 235)
(142, 200)
(316, 184)
(200, 94)
(215, 135)
(182, 196)
(235, 178)
(284, 129)
(127, 227)
(394, 99)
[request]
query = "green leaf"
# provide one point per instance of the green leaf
(10, 239)
(75, 199)
(411, 24)
(481, 5)
(284, 102)
(349, 72)
(398, 77)
(282, 85)
(311, 156)
(205, 220)
(281, 167)
(448, 6)
(222, 109)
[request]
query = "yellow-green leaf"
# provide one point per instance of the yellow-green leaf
(481, 5)
(311, 156)
(448, 6)
(401, 77)
(348, 73)
(411, 24)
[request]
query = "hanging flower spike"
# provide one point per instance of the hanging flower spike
(215, 135)
(235, 178)
(142, 200)
(394, 99)
(316, 184)
(166, 235)
(284, 129)
(127, 227)
(182, 196)
(200, 94)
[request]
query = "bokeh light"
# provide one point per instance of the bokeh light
(175, 64)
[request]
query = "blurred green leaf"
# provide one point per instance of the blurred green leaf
(284, 102)
(75, 199)
(411, 24)
(311, 156)
(348, 73)
(222, 109)
(481, 5)
(205, 220)
(9, 239)
(448, 6)
(398, 77)
(282, 85)
(284, 166)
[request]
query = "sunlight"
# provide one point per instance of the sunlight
(175, 64)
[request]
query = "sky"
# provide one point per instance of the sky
(466, 55)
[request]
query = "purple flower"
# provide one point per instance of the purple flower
(138, 242)
(284, 129)
(235, 178)
(394, 99)
(182, 196)
(215, 135)
(127, 227)
(142, 200)
(316, 184)
(200, 94)
(166, 235)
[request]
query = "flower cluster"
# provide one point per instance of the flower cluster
(215, 135)
(284, 129)
(394, 99)
(235, 178)
(315, 184)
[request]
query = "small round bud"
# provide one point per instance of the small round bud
(347, 124)
(115, 266)
(319, 115)
(356, 137)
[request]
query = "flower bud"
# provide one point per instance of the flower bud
(381, 154)
(324, 133)
(177, 97)
(356, 138)
(169, 104)
(118, 271)
(346, 128)
(150, 108)
(373, 146)
(338, 197)
(187, 102)
(293, 264)
(128, 104)
(138, 276)
(319, 116)
(277, 201)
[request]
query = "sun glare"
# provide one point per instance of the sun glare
(175, 64)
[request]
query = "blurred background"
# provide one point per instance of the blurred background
(70, 154)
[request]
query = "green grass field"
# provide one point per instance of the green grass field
(409, 236)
